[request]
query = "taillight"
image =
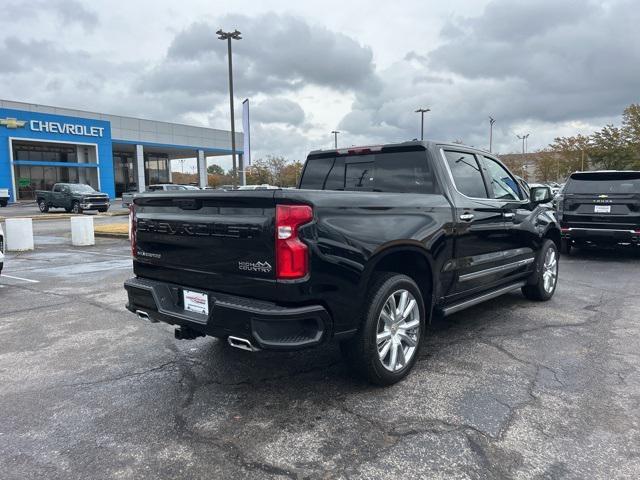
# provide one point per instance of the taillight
(132, 229)
(292, 259)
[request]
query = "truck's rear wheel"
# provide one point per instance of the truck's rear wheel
(42, 205)
(388, 342)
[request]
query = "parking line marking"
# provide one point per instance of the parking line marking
(99, 253)
(20, 278)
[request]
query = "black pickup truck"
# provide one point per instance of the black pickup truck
(373, 243)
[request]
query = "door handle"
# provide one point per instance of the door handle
(466, 217)
(509, 215)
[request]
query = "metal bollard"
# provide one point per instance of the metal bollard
(82, 234)
(19, 234)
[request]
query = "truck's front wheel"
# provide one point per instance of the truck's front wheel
(42, 205)
(388, 342)
(75, 207)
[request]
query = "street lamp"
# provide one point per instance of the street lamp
(335, 137)
(524, 149)
(228, 36)
(524, 139)
(422, 111)
(491, 122)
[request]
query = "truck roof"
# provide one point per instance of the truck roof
(409, 143)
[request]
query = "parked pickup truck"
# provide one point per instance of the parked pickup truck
(373, 244)
(4, 197)
(600, 208)
(73, 197)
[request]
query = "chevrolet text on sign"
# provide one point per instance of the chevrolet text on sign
(65, 128)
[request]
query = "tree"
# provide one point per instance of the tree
(546, 168)
(610, 149)
(258, 173)
(274, 170)
(631, 132)
(290, 174)
(215, 169)
(571, 153)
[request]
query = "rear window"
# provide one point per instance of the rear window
(400, 172)
(604, 183)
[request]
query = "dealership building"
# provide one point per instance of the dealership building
(41, 145)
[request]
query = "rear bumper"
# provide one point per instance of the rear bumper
(600, 235)
(265, 324)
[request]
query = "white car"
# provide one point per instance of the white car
(1, 249)
(4, 197)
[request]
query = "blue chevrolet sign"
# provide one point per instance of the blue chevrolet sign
(24, 126)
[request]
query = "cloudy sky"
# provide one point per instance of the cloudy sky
(544, 67)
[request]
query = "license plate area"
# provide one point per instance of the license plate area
(196, 302)
(602, 208)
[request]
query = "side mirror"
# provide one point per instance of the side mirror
(540, 195)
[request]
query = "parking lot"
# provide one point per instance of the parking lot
(508, 389)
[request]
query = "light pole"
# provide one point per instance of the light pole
(524, 160)
(228, 36)
(524, 139)
(422, 111)
(491, 122)
(335, 138)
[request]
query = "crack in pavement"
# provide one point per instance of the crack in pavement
(117, 378)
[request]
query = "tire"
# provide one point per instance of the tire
(42, 205)
(565, 247)
(545, 278)
(75, 207)
(362, 352)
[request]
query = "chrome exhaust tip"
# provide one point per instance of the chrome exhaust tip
(145, 316)
(242, 344)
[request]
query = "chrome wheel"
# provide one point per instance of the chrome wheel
(550, 270)
(398, 330)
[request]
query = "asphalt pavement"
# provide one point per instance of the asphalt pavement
(507, 389)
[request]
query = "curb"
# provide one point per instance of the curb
(112, 235)
(66, 216)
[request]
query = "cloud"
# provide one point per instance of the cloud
(573, 58)
(532, 65)
(278, 53)
(68, 12)
(277, 110)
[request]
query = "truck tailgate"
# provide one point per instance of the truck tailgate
(213, 241)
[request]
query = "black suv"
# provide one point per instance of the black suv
(600, 208)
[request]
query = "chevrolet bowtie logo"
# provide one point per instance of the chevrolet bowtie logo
(12, 122)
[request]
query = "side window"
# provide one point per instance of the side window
(408, 172)
(504, 186)
(466, 174)
(56, 188)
